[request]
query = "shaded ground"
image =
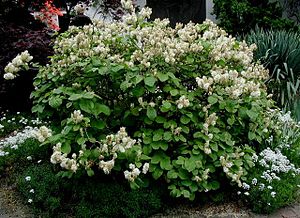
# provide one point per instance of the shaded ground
(11, 205)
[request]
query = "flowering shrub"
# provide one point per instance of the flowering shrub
(19, 62)
(190, 98)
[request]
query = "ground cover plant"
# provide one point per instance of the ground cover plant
(142, 102)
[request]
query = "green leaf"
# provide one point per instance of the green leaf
(90, 172)
(172, 174)
(168, 136)
(151, 113)
(66, 147)
(162, 77)
(157, 173)
(165, 163)
(99, 124)
(138, 91)
(88, 95)
(252, 114)
(138, 79)
(75, 97)
(117, 68)
(186, 193)
(101, 108)
(174, 92)
(55, 102)
(198, 135)
(251, 135)
(189, 164)
(215, 185)
(184, 119)
(81, 141)
(231, 121)
(183, 174)
(150, 81)
(160, 119)
(212, 100)
(87, 105)
(214, 146)
(38, 108)
(166, 106)
(164, 146)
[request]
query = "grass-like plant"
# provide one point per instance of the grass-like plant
(279, 51)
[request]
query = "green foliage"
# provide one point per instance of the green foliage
(18, 158)
(240, 16)
(13, 122)
(275, 180)
(85, 197)
(45, 184)
(279, 51)
(286, 192)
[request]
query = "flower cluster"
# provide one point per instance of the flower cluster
(18, 63)
(227, 164)
(76, 116)
(182, 102)
(135, 172)
(59, 158)
(15, 140)
(42, 133)
(108, 152)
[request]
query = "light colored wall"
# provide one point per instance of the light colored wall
(209, 10)
(142, 3)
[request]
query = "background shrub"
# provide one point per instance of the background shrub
(240, 16)
(279, 51)
(17, 37)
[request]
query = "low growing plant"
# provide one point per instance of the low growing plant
(275, 180)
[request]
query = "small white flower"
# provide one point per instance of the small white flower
(29, 158)
(27, 178)
(273, 194)
(145, 168)
(30, 201)
(131, 166)
(9, 76)
(31, 191)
